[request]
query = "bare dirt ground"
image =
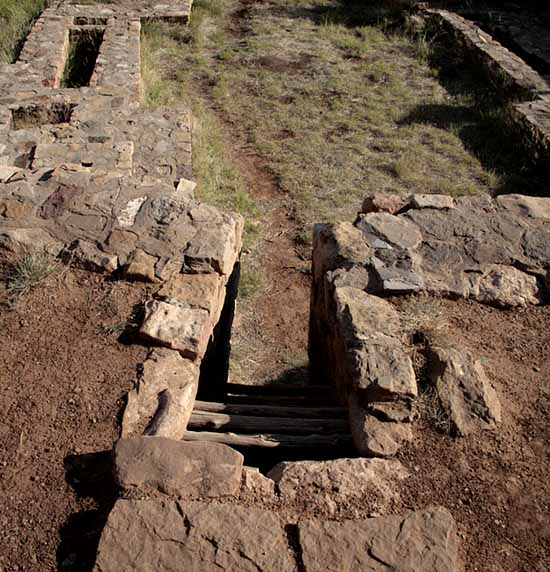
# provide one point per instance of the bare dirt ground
(62, 376)
(495, 483)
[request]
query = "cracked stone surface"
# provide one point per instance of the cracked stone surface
(423, 541)
(147, 535)
(176, 468)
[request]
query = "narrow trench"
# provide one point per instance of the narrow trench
(84, 45)
(280, 315)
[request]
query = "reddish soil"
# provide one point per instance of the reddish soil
(62, 376)
(496, 483)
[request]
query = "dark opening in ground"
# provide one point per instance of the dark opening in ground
(84, 45)
(85, 21)
(34, 115)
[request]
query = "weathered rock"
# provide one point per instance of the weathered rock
(204, 291)
(86, 255)
(256, 485)
(398, 411)
(465, 392)
(335, 244)
(507, 286)
(206, 252)
(382, 202)
(179, 328)
(534, 207)
(330, 484)
(423, 541)
(432, 202)
(158, 535)
(360, 314)
(141, 266)
(176, 468)
(29, 239)
(384, 230)
(372, 436)
(162, 402)
(373, 352)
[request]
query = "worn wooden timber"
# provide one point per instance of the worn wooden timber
(318, 412)
(256, 424)
(326, 443)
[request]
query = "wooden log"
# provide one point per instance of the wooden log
(255, 424)
(320, 412)
(325, 391)
(288, 400)
(323, 442)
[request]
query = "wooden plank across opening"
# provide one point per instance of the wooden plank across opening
(317, 412)
(273, 440)
(257, 424)
(324, 391)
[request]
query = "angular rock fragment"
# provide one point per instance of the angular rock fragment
(204, 291)
(147, 535)
(372, 352)
(508, 287)
(465, 392)
(372, 436)
(186, 330)
(330, 484)
(432, 202)
(141, 266)
(86, 255)
(384, 230)
(384, 202)
(177, 468)
(257, 485)
(423, 541)
(163, 400)
(336, 244)
(534, 207)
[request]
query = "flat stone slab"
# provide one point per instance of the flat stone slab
(329, 484)
(423, 541)
(494, 251)
(167, 536)
(162, 535)
(177, 468)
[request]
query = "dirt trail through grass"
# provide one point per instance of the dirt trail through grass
(302, 108)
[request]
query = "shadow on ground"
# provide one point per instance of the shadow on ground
(91, 477)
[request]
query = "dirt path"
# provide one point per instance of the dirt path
(270, 332)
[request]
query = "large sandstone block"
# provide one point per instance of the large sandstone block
(162, 402)
(423, 541)
(373, 436)
(159, 536)
(330, 484)
(205, 291)
(170, 324)
(176, 468)
(373, 352)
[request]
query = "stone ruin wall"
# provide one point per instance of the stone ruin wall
(90, 176)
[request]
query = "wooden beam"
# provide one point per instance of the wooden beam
(320, 412)
(323, 442)
(325, 391)
(288, 400)
(256, 424)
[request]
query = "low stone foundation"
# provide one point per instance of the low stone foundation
(494, 251)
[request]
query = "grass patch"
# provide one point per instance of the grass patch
(218, 180)
(339, 103)
(16, 17)
(25, 271)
